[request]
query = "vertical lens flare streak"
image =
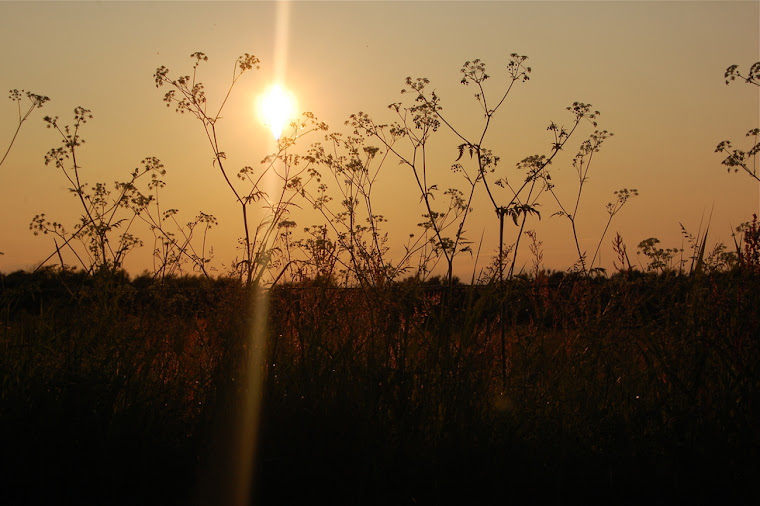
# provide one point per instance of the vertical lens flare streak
(277, 106)
(247, 426)
(280, 109)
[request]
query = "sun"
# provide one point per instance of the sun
(276, 107)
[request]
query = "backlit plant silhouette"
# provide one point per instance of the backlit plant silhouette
(582, 165)
(35, 102)
(408, 139)
(354, 167)
(104, 228)
(188, 95)
(105, 235)
(737, 159)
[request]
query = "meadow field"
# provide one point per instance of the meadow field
(337, 364)
(556, 389)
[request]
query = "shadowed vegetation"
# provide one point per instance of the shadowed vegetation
(634, 388)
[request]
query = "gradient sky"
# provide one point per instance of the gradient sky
(653, 69)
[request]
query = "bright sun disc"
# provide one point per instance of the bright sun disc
(276, 109)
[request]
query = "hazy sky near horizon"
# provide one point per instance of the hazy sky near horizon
(653, 69)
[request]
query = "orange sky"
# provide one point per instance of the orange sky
(653, 69)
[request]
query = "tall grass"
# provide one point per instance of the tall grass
(637, 387)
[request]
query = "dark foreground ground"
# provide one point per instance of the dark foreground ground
(558, 390)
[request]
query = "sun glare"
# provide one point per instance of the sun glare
(277, 108)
